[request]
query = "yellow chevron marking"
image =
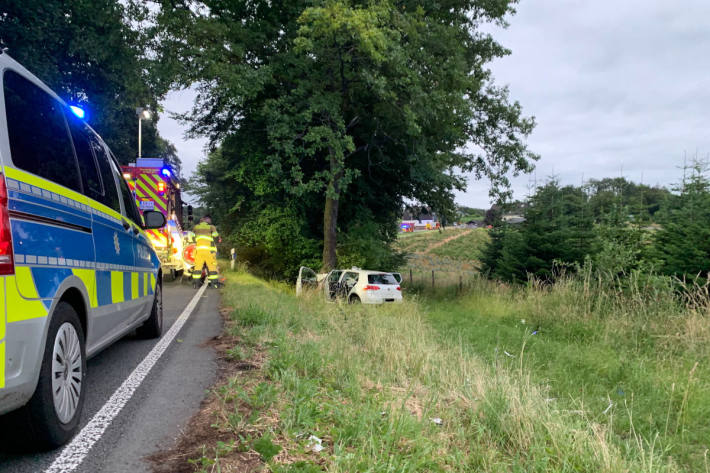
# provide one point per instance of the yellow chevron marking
(19, 308)
(134, 286)
(88, 277)
(152, 281)
(116, 287)
(158, 201)
(151, 179)
(23, 275)
(2, 317)
(2, 365)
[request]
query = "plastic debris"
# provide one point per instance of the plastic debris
(437, 420)
(508, 354)
(534, 333)
(608, 407)
(315, 444)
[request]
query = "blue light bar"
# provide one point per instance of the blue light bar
(165, 172)
(77, 111)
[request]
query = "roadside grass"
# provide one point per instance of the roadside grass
(421, 387)
(635, 361)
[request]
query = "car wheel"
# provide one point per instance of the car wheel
(354, 299)
(52, 415)
(153, 327)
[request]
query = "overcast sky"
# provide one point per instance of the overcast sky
(616, 86)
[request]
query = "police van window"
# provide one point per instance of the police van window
(110, 197)
(129, 200)
(39, 138)
(85, 156)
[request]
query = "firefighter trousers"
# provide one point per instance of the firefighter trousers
(206, 256)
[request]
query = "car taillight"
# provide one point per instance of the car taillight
(399, 288)
(372, 288)
(7, 265)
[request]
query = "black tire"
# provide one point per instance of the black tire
(37, 426)
(153, 327)
(355, 299)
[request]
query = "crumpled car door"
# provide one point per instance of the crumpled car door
(307, 280)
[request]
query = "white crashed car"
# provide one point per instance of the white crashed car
(352, 285)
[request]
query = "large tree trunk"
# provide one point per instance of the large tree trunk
(330, 216)
(330, 225)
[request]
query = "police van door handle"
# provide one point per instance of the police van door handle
(126, 225)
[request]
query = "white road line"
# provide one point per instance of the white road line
(74, 453)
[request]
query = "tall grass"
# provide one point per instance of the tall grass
(405, 387)
(631, 355)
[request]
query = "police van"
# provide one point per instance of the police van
(77, 271)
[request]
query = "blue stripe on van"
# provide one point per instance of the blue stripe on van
(49, 203)
(54, 214)
(46, 241)
(127, 287)
(103, 287)
(48, 280)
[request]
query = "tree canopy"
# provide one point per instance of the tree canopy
(336, 111)
(90, 53)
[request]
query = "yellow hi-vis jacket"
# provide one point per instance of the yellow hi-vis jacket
(205, 235)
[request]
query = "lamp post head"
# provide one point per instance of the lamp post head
(144, 113)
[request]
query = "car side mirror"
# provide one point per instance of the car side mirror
(153, 219)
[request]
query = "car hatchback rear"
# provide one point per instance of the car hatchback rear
(379, 288)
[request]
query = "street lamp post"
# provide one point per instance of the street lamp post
(143, 113)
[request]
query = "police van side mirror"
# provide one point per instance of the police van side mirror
(153, 219)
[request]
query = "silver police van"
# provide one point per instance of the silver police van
(77, 271)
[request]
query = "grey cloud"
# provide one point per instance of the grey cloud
(616, 87)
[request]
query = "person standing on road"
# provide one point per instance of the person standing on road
(206, 250)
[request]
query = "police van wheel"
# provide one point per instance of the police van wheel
(153, 327)
(51, 417)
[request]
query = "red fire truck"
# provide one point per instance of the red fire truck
(157, 188)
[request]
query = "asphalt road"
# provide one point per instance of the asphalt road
(162, 405)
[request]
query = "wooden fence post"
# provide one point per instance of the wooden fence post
(460, 283)
(411, 281)
(432, 278)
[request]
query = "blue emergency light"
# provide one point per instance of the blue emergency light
(165, 172)
(77, 111)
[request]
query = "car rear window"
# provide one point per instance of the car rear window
(381, 278)
(38, 134)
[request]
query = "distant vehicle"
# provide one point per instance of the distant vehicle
(353, 285)
(77, 271)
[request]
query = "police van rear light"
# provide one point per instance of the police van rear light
(7, 264)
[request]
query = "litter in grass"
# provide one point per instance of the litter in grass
(608, 407)
(508, 354)
(437, 420)
(315, 444)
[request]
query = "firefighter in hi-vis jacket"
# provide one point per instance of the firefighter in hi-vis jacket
(205, 250)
